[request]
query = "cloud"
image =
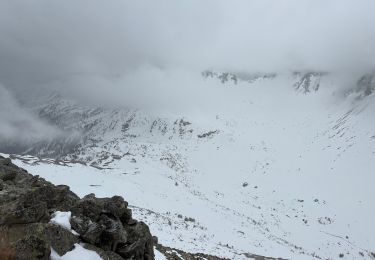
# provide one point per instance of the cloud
(150, 53)
(19, 125)
(146, 87)
(45, 40)
(146, 50)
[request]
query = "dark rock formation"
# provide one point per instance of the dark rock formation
(177, 254)
(308, 82)
(366, 85)
(27, 202)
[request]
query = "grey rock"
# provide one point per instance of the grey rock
(21, 211)
(113, 234)
(5, 161)
(140, 242)
(88, 207)
(80, 224)
(59, 238)
(366, 84)
(8, 175)
(105, 224)
(31, 247)
(93, 233)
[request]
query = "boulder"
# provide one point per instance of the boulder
(107, 224)
(61, 240)
(140, 242)
(31, 247)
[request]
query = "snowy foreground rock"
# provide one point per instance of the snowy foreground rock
(39, 220)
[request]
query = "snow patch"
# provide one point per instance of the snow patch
(62, 219)
(158, 255)
(79, 252)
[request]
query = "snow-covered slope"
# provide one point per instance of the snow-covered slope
(274, 165)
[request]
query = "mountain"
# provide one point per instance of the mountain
(279, 165)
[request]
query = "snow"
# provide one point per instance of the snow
(158, 255)
(79, 252)
(63, 219)
(309, 161)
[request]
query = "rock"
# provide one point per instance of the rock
(366, 85)
(104, 224)
(31, 247)
(113, 234)
(59, 238)
(27, 204)
(7, 254)
(80, 224)
(132, 222)
(140, 243)
(93, 233)
(116, 206)
(56, 197)
(5, 161)
(23, 210)
(8, 175)
(189, 219)
(88, 207)
(92, 207)
(177, 254)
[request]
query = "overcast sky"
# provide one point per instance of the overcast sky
(120, 46)
(43, 40)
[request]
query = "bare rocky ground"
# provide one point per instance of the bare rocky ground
(104, 225)
(176, 254)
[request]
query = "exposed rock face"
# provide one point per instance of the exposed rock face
(105, 225)
(308, 82)
(366, 84)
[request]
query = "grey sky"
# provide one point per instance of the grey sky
(126, 47)
(44, 40)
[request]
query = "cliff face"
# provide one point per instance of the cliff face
(103, 225)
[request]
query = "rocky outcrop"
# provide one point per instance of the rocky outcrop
(308, 81)
(366, 85)
(177, 254)
(104, 225)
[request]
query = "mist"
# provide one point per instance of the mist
(145, 52)
(18, 124)
(48, 40)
